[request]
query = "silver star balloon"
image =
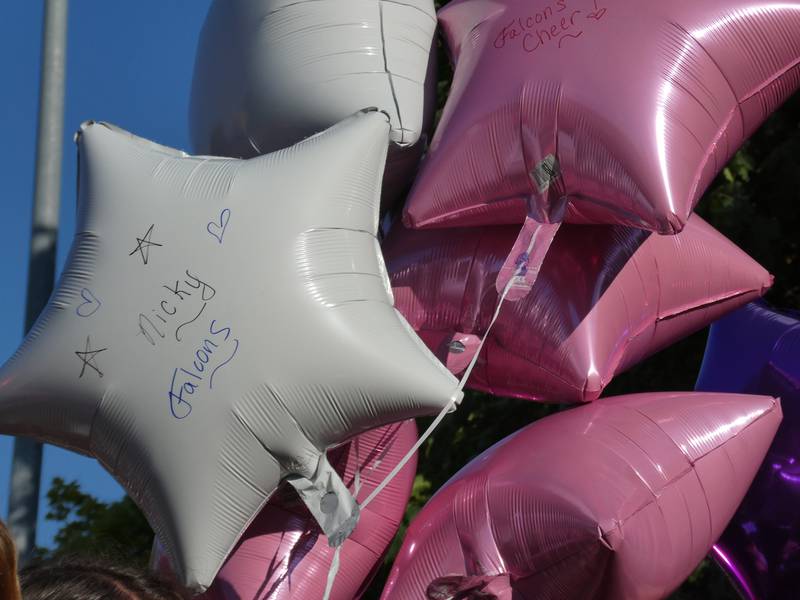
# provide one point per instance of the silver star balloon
(220, 323)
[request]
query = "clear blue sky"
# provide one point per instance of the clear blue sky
(129, 63)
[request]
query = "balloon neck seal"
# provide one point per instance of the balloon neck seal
(545, 172)
(329, 501)
(521, 268)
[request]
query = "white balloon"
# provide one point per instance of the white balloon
(220, 323)
(270, 72)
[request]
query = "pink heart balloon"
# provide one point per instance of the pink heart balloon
(283, 553)
(606, 298)
(625, 108)
(617, 500)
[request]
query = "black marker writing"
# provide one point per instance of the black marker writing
(143, 245)
(88, 357)
(191, 290)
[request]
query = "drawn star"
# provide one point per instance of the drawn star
(87, 358)
(291, 318)
(640, 103)
(143, 245)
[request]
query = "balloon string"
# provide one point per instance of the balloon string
(393, 473)
(521, 269)
(334, 569)
(450, 405)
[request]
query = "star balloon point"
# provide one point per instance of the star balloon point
(640, 103)
(234, 355)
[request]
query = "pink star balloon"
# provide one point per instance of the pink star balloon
(283, 554)
(615, 500)
(606, 298)
(626, 109)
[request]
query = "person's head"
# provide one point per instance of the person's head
(9, 584)
(80, 579)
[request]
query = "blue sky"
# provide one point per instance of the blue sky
(129, 63)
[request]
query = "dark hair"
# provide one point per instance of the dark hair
(82, 579)
(9, 585)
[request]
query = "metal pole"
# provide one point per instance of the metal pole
(23, 504)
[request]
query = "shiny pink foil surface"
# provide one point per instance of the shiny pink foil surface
(619, 499)
(640, 103)
(283, 554)
(606, 298)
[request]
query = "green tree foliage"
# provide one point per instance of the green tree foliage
(115, 530)
(755, 201)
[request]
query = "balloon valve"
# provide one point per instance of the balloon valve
(456, 347)
(329, 503)
(459, 350)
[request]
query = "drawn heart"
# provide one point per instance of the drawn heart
(597, 14)
(217, 229)
(90, 305)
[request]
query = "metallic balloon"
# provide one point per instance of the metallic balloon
(269, 73)
(606, 298)
(220, 323)
(626, 108)
(619, 500)
(757, 350)
(283, 553)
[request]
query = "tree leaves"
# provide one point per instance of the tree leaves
(115, 530)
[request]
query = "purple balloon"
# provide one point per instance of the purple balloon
(627, 108)
(618, 500)
(757, 350)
